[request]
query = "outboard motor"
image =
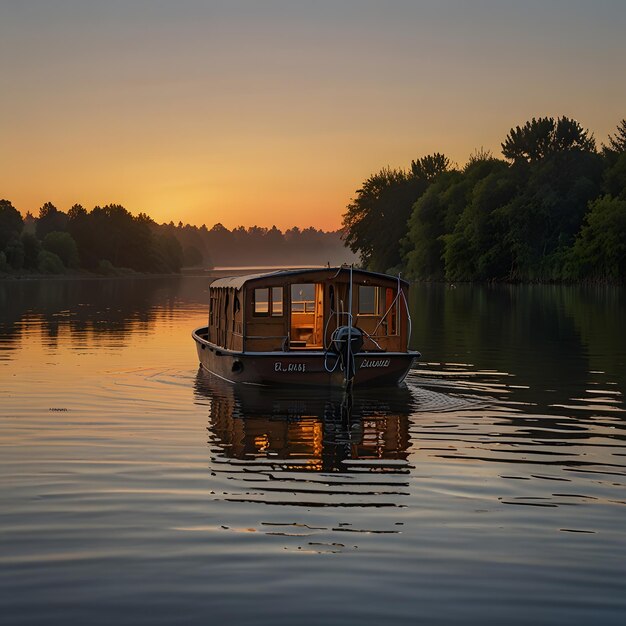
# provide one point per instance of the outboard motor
(346, 342)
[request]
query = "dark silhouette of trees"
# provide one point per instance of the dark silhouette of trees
(14, 253)
(429, 167)
(50, 220)
(192, 257)
(49, 263)
(541, 137)
(110, 240)
(78, 226)
(11, 223)
(32, 248)
(168, 253)
(615, 176)
(11, 246)
(617, 142)
(64, 246)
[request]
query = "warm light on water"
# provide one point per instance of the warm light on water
(136, 489)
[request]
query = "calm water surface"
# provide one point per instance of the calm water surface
(136, 489)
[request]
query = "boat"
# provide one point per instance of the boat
(330, 327)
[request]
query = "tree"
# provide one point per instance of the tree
(544, 136)
(615, 176)
(375, 220)
(50, 220)
(168, 254)
(432, 216)
(32, 248)
(81, 228)
(49, 263)
(617, 142)
(599, 251)
(30, 223)
(11, 223)
(64, 246)
(192, 257)
(429, 167)
(547, 212)
(474, 250)
(452, 226)
(114, 234)
(480, 154)
(14, 252)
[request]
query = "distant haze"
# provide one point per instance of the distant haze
(273, 112)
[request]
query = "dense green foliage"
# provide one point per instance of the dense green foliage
(375, 221)
(554, 210)
(599, 251)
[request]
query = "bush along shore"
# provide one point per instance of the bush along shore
(554, 209)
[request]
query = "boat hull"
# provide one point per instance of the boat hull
(301, 367)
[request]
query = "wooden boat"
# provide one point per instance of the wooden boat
(333, 327)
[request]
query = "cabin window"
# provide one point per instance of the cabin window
(303, 298)
(277, 301)
(368, 300)
(261, 301)
(307, 315)
(268, 301)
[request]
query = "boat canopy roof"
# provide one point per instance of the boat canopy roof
(237, 282)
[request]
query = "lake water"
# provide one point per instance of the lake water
(491, 489)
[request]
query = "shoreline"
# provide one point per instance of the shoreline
(197, 272)
(219, 272)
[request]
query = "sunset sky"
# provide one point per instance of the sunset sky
(273, 112)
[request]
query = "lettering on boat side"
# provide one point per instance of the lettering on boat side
(289, 367)
(375, 363)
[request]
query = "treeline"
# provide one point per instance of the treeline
(110, 240)
(554, 209)
(107, 240)
(255, 245)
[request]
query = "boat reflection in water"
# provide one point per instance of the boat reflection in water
(308, 429)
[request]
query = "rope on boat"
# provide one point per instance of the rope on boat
(326, 351)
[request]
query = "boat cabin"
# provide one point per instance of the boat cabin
(298, 310)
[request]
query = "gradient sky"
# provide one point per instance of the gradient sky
(273, 112)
